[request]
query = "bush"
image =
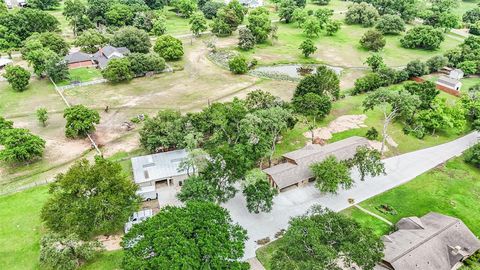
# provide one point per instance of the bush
(19, 145)
(17, 77)
(312, 104)
(472, 155)
(118, 70)
(66, 253)
(168, 47)
(142, 63)
(307, 47)
(211, 8)
(474, 29)
(361, 13)
(370, 82)
(468, 67)
(416, 68)
(436, 63)
(80, 121)
(472, 16)
(238, 65)
(423, 37)
(159, 26)
(324, 82)
(372, 134)
(373, 40)
(246, 40)
(390, 24)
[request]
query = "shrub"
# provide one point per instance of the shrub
(390, 24)
(472, 155)
(211, 8)
(159, 26)
(307, 47)
(118, 70)
(472, 16)
(423, 37)
(246, 40)
(361, 13)
(238, 65)
(416, 68)
(474, 29)
(19, 145)
(312, 104)
(468, 67)
(372, 134)
(332, 26)
(436, 63)
(373, 40)
(42, 116)
(168, 47)
(142, 63)
(370, 82)
(17, 77)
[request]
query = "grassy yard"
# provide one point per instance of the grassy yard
(82, 75)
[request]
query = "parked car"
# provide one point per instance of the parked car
(138, 217)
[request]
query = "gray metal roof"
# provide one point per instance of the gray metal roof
(287, 174)
(432, 242)
(158, 166)
(105, 54)
(77, 57)
(448, 81)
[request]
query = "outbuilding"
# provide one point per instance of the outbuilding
(79, 59)
(449, 83)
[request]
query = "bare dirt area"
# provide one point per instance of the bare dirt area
(342, 123)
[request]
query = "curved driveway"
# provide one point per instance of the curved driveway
(400, 169)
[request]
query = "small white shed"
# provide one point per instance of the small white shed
(456, 74)
(449, 83)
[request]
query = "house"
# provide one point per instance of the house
(432, 242)
(138, 217)
(249, 3)
(162, 169)
(449, 83)
(107, 53)
(5, 62)
(296, 170)
(456, 74)
(79, 59)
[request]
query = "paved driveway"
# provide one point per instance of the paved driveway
(400, 169)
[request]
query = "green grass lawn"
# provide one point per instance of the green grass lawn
(110, 260)
(82, 75)
(451, 189)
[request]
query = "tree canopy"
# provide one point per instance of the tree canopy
(136, 40)
(169, 47)
(423, 37)
(19, 145)
(17, 77)
(324, 82)
(331, 174)
(80, 121)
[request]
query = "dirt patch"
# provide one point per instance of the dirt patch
(342, 123)
(110, 242)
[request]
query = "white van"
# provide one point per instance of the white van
(148, 193)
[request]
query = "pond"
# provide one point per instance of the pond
(292, 71)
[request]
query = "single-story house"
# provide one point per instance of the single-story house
(449, 83)
(296, 170)
(5, 62)
(79, 59)
(161, 168)
(107, 53)
(138, 217)
(431, 242)
(456, 74)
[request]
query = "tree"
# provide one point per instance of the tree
(155, 4)
(330, 174)
(90, 199)
(221, 28)
(258, 192)
(469, 67)
(321, 2)
(164, 131)
(195, 162)
(472, 155)
(375, 62)
(259, 99)
(311, 27)
(246, 40)
(440, 117)
(332, 26)
(299, 16)
(141, 63)
(97, 10)
(144, 20)
(5, 124)
(66, 252)
(416, 68)
(47, 40)
(423, 37)
(136, 40)
(44, 4)
(286, 10)
(390, 24)
(185, 7)
(198, 23)
(90, 41)
(313, 105)
(259, 24)
(238, 65)
(38, 59)
(206, 232)
(441, 19)
(42, 116)
(80, 121)
(20, 146)
(211, 8)
(308, 47)
(57, 69)
(436, 63)
(119, 15)
(407, 9)
(472, 15)
(17, 77)
(372, 134)
(367, 83)
(373, 40)
(307, 244)
(118, 70)
(324, 82)
(168, 47)
(426, 92)
(361, 13)
(368, 162)
(474, 29)
(393, 104)
(159, 26)
(74, 11)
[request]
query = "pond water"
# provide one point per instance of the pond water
(294, 71)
